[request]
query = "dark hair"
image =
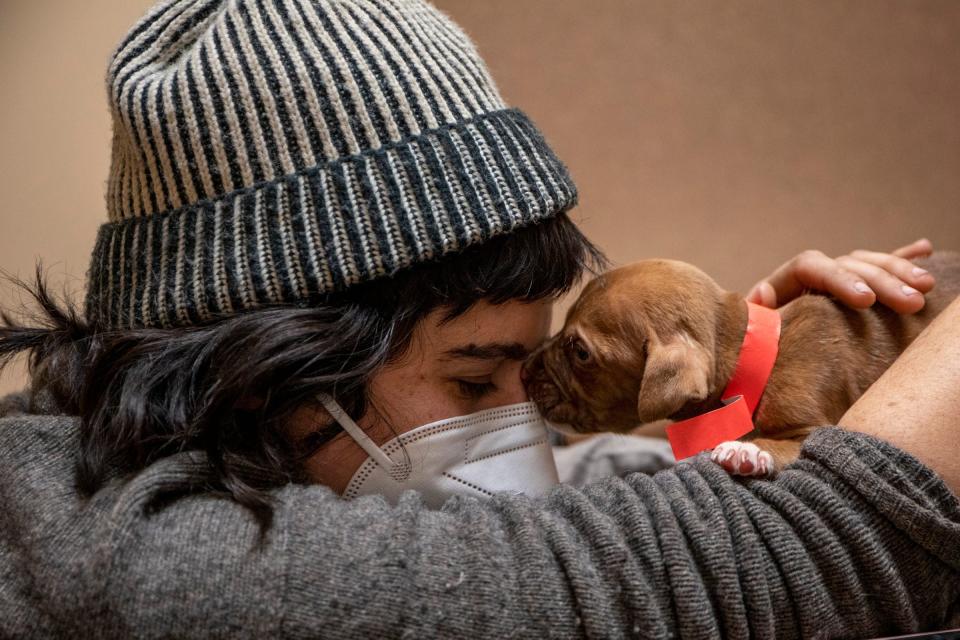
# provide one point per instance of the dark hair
(143, 394)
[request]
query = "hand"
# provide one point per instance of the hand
(858, 279)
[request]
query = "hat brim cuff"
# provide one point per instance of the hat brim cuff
(324, 229)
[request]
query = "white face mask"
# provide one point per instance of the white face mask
(500, 449)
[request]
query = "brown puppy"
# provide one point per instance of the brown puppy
(659, 339)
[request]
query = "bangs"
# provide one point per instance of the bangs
(535, 262)
(143, 394)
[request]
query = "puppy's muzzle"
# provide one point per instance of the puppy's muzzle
(540, 387)
(544, 389)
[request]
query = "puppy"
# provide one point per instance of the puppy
(659, 339)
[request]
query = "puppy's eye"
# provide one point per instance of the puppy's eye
(580, 352)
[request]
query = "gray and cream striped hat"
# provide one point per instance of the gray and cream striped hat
(271, 151)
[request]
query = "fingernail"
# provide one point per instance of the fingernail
(917, 271)
(861, 287)
(908, 290)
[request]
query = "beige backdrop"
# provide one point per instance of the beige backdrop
(729, 133)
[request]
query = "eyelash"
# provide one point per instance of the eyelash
(476, 390)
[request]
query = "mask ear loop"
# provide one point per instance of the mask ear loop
(399, 471)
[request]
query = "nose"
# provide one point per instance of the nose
(512, 393)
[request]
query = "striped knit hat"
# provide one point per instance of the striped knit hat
(270, 151)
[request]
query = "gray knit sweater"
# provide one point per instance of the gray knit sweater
(856, 539)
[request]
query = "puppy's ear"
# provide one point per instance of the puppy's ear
(677, 372)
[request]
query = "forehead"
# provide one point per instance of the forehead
(514, 322)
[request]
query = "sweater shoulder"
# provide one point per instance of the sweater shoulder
(27, 436)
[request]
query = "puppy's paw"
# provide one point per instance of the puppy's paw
(743, 459)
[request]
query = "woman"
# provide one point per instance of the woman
(328, 202)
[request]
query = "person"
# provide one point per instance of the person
(321, 199)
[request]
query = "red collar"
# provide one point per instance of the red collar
(761, 343)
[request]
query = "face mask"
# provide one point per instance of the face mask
(500, 449)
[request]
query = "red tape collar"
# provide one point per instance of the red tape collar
(761, 343)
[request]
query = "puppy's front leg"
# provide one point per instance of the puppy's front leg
(783, 451)
(761, 457)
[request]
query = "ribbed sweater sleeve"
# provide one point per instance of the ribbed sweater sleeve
(856, 539)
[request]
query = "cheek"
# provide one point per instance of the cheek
(401, 400)
(335, 463)
(406, 397)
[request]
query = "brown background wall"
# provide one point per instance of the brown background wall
(729, 133)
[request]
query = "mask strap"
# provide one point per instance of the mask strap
(398, 470)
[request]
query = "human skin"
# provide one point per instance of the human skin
(483, 347)
(486, 346)
(915, 405)
(859, 279)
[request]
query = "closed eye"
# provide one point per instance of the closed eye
(476, 390)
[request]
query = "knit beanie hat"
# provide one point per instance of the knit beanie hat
(271, 151)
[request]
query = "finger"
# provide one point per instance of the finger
(763, 294)
(916, 249)
(912, 275)
(814, 270)
(890, 290)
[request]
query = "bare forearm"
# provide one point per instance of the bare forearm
(915, 405)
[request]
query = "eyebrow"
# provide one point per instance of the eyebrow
(490, 351)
